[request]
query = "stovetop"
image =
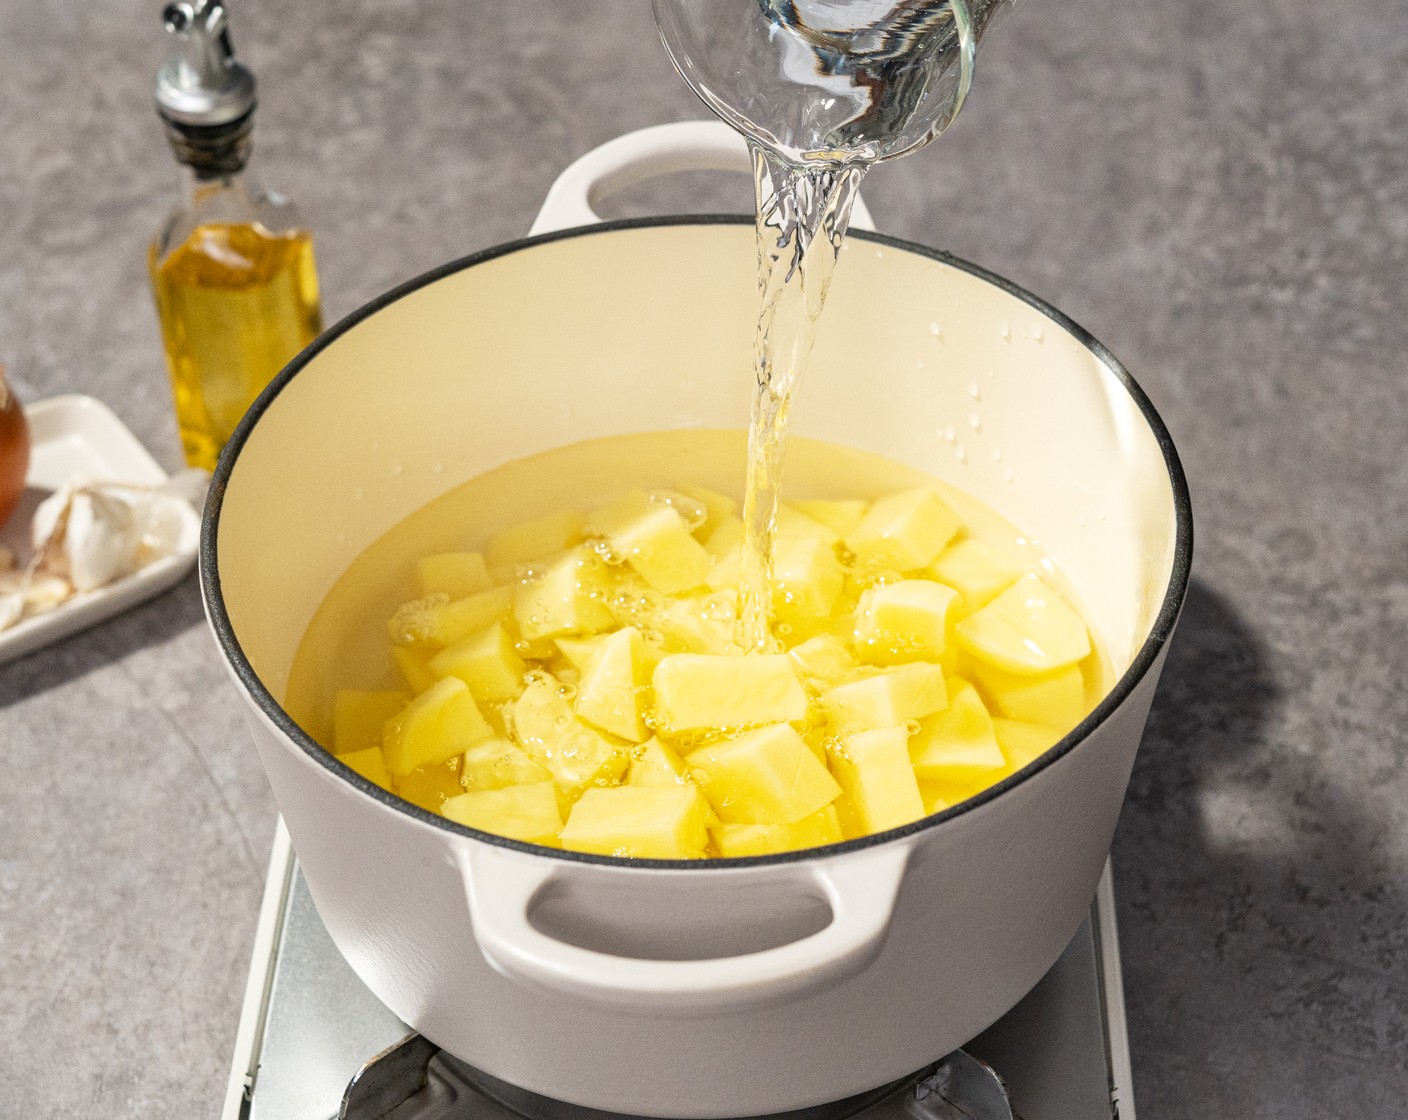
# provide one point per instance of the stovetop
(309, 1026)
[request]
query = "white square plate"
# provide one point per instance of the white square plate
(80, 435)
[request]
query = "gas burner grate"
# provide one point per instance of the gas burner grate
(416, 1080)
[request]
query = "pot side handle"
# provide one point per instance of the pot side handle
(648, 153)
(860, 888)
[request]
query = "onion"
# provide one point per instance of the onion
(14, 450)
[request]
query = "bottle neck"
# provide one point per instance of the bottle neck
(202, 187)
(212, 151)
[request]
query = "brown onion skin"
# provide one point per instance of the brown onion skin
(14, 450)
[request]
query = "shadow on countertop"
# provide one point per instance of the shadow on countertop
(152, 623)
(1264, 929)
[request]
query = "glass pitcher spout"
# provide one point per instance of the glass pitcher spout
(831, 80)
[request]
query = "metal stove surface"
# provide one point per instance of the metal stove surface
(309, 1024)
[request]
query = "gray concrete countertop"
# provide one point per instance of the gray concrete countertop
(1218, 192)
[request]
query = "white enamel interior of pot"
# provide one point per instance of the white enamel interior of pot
(626, 330)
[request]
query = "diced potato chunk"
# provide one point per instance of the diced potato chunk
(456, 574)
(654, 763)
(841, 517)
(497, 763)
(973, 570)
(608, 695)
(697, 691)
(1055, 699)
(568, 598)
(725, 537)
(794, 525)
(823, 661)
(414, 664)
(903, 531)
(719, 506)
(487, 662)
(737, 840)
(430, 786)
(579, 652)
(873, 770)
(1023, 742)
(535, 540)
(576, 755)
(1027, 629)
(807, 579)
(693, 511)
(370, 764)
(888, 699)
(358, 717)
(958, 744)
(939, 796)
(907, 620)
(639, 822)
(703, 624)
(817, 732)
(527, 812)
(438, 724)
(768, 776)
(438, 622)
(654, 540)
(727, 571)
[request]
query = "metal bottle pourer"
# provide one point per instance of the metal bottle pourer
(203, 94)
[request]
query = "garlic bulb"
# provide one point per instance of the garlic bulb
(86, 535)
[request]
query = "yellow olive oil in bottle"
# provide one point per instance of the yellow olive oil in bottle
(232, 267)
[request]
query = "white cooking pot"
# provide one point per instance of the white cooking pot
(730, 987)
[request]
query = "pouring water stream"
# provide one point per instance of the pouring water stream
(821, 89)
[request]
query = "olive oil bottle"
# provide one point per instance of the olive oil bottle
(232, 267)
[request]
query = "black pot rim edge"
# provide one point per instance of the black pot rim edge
(1141, 664)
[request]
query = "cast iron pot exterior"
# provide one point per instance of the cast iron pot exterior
(697, 990)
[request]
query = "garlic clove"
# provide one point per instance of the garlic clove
(160, 520)
(101, 538)
(11, 607)
(45, 592)
(48, 527)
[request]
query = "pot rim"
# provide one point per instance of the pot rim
(1140, 665)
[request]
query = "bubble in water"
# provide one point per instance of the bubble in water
(911, 727)
(691, 510)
